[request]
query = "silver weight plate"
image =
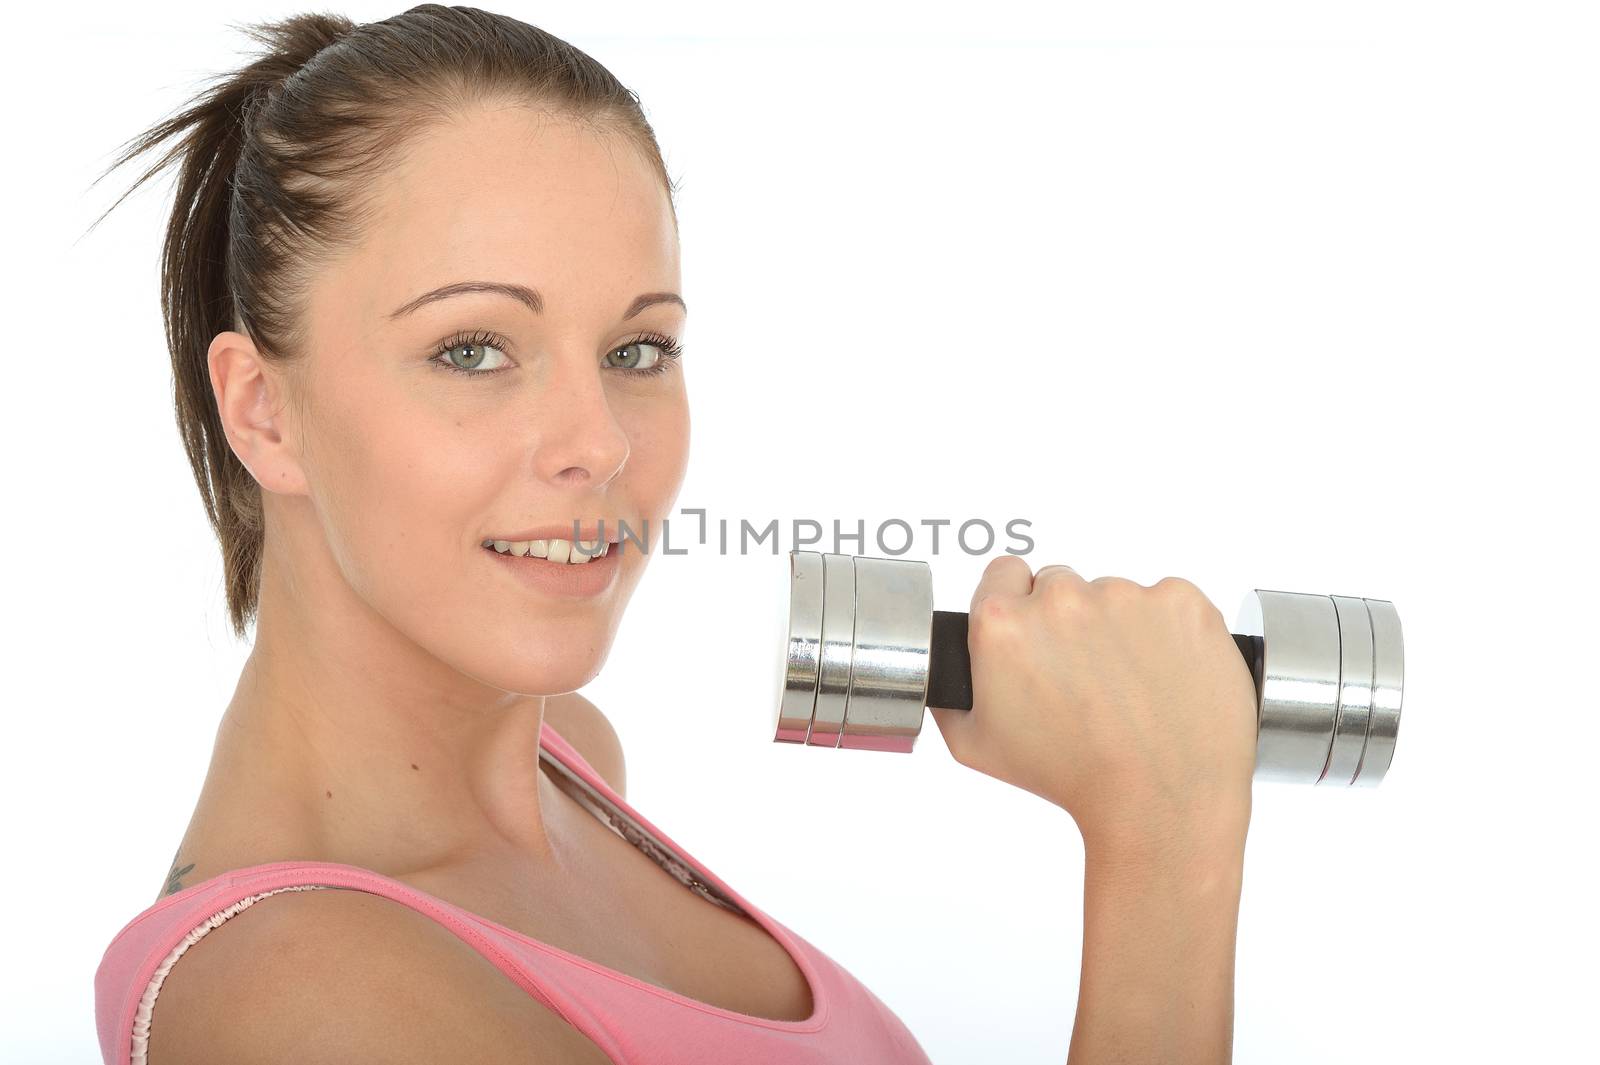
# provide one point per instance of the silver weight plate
(893, 632)
(1388, 684)
(1298, 685)
(801, 645)
(1355, 691)
(838, 637)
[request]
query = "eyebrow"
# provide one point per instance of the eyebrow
(526, 296)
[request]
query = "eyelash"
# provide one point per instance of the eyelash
(671, 351)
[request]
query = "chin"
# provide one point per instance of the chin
(544, 668)
(534, 678)
(532, 648)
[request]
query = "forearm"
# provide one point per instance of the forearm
(1159, 933)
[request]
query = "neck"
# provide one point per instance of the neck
(351, 739)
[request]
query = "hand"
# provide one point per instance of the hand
(1128, 706)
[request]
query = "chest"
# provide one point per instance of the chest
(611, 904)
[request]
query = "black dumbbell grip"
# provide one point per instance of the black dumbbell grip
(950, 664)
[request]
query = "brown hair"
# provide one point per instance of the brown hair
(273, 157)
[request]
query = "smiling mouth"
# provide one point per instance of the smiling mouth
(555, 551)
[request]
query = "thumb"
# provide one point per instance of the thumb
(1006, 576)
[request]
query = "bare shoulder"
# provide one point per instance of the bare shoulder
(581, 724)
(337, 975)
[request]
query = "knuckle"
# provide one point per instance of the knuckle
(1188, 596)
(1000, 563)
(1176, 588)
(1115, 588)
(1060, 596)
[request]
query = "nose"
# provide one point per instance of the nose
(581, 443)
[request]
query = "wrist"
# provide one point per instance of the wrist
(1200, 843)
(1160, 927)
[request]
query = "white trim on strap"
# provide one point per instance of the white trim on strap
(147, 1001)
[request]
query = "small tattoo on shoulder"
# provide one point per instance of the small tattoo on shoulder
(176, 875)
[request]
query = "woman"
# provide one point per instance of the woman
(421, 290)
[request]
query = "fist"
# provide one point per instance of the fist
(1128, 706)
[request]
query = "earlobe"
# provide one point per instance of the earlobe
(253, 412)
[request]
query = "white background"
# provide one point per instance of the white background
(1264, 295)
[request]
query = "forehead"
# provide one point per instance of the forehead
(508, 193)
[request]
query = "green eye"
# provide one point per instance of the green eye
(668, 352)
(633, 361)
(468, 352)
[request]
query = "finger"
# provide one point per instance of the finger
(1057, 573)
(1005, 575)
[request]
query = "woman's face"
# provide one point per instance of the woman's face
(546, 416)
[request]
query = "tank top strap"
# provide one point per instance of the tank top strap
(146, 950)
(557, 744)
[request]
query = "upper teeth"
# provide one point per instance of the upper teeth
(554, 550)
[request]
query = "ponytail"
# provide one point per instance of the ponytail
(199, 271)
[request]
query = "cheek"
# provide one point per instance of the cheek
(658, 455)
(398, 483)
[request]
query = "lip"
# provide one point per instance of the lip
(558, 531)
(564, 579)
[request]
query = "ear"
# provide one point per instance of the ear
(253, 408)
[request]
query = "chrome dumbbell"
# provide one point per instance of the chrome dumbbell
(865, 653)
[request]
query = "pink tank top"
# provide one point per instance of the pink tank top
(634, 1022)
